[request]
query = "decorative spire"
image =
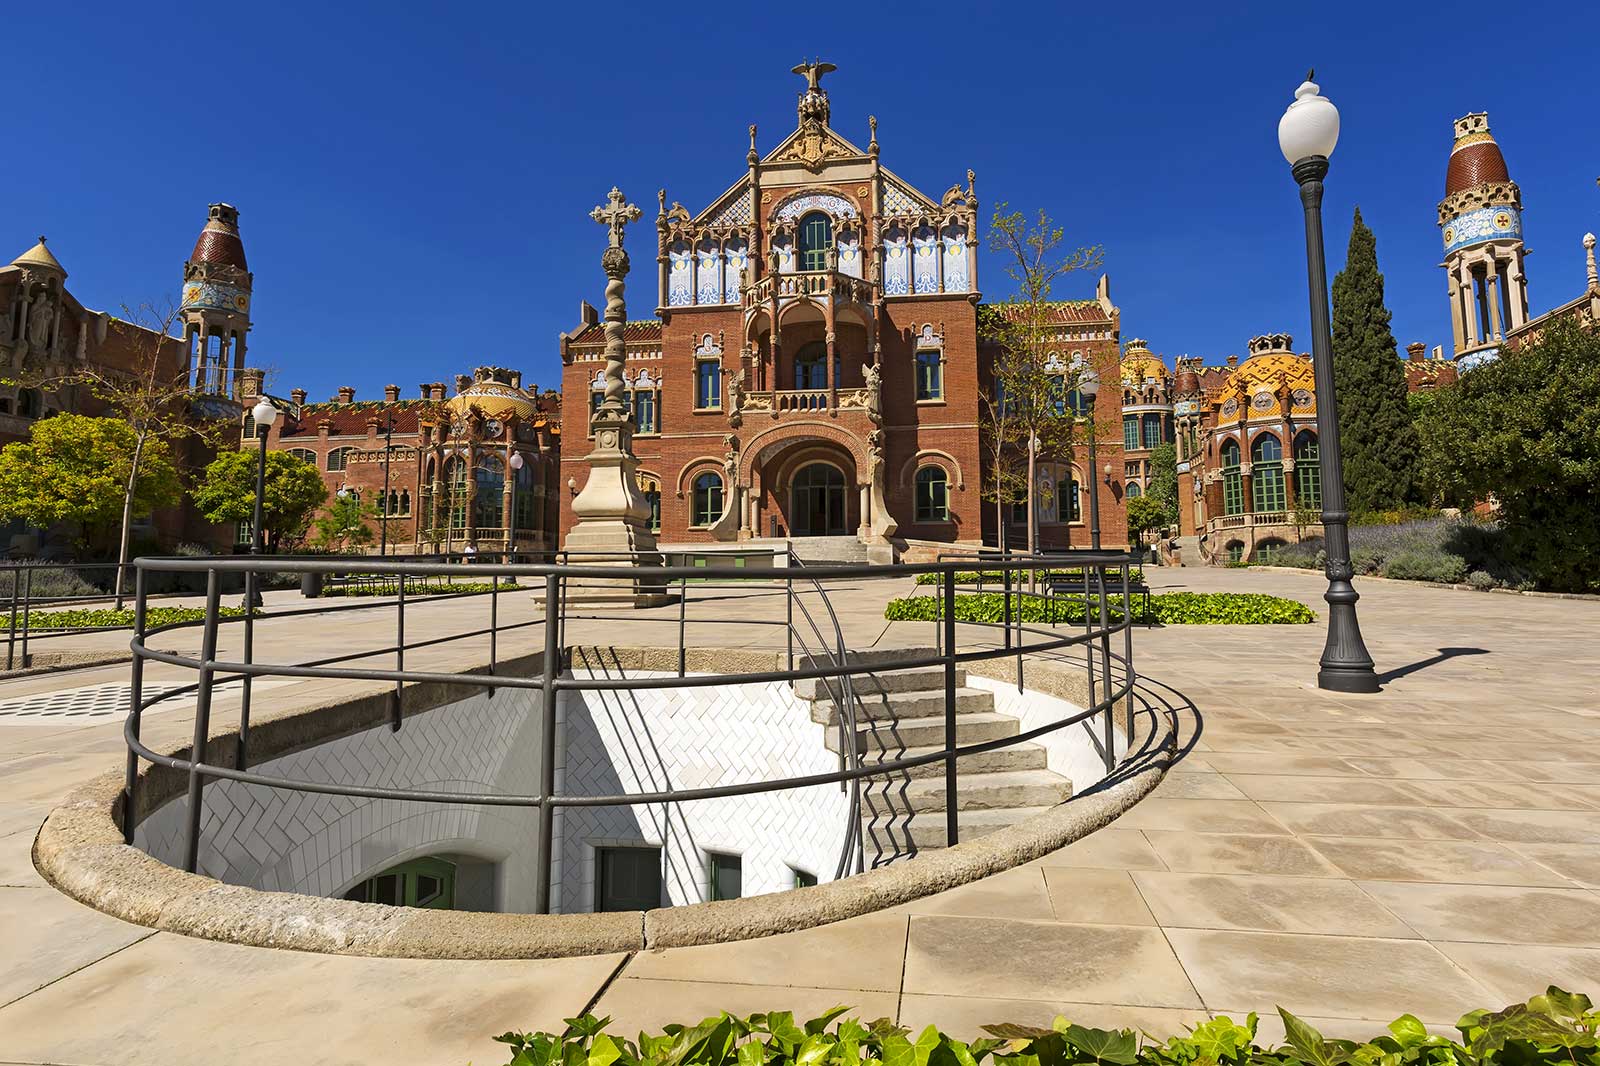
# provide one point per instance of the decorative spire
(813, 105)
(1588, 260)
(752, 156)
(872, 145)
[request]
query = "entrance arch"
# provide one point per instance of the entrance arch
(817, 501)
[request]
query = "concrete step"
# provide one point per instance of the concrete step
(975, 792)
(893, 707)
(881, 740)
(829, 549)
(885, 657)
(1020, 757)
(921, 679)
(901, 836)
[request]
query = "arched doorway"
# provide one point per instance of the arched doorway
(817, 501)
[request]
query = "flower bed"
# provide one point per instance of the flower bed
(1167, 608)
(1554, 1029)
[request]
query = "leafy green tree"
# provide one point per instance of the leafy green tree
(1145, 514)
(1023, 413)
(1524, 430)
(1377, 435)
(345, 523)
(82, 470)
(294, 491)
(1163, 486)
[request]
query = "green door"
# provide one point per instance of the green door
(419, 883)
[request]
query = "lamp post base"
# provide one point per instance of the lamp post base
(1348, 679)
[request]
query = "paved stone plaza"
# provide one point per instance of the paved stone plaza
(1430, 849)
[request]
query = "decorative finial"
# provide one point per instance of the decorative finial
(752, 136)
(41, 238)
(661, 197)
(615, 214)
(812, 72)
(971, 177)
(1311, 74)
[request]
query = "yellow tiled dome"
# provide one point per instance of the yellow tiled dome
(1139, 364)
(495, 399)
(1257, 382)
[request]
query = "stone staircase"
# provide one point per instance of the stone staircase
(829, 549)
(901, 715)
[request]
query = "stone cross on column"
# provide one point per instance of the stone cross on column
(615, 214)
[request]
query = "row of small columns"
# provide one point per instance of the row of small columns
(1478, 310)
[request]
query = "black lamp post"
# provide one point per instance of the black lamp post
(515, 462)
(265, 415)
(1307, 133)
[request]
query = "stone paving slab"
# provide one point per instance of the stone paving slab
(1350, 857)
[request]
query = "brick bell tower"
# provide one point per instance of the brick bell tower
(216, 314)
(1481, 217)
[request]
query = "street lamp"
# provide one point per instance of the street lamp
(1307, 133)
(265, 416)
(511, 534)
(1089, 388)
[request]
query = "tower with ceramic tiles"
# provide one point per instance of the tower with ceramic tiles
(1481, 219)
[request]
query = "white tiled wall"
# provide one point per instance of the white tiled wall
(696, 737)
(321, 845)
(1070, 751)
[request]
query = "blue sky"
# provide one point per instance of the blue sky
(414, 185)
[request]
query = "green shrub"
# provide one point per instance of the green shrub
(1417, 564)
(1554, 1029)
(42, 581)
(1482, 580)
(1168, 608)
(110, 619)
(996, 577)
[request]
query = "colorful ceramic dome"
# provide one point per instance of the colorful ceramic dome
(1140, 365)
(219, 242)
(1475, 158)
(1257, 384)
(494, 398)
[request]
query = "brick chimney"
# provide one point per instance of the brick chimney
(516, 379)
(347, 394)
(462, 381)
(436, 390)
(391, 394)
(1416, 351)
(1233, 360)
(297, 397)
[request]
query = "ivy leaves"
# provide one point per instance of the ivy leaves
(1557, 1028)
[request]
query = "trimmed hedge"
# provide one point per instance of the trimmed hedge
(1554, 1029)
(1167, 608)
(996, 577)
(112, 619)
(380, 589)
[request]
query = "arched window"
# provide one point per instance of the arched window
(1134, 491)
(338, 457)
(1267, 551)
(933, 495)
(1152, 431)
(30, 404)
(811, 366)
(1235, 549)
(1232, 484)
(1307, 472)
(488, 501)
(305, 455)
(816, 237)
(455, 476)
(707, 499)
(1266, 457)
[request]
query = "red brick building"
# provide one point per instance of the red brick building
(814, 369)
(442, 472)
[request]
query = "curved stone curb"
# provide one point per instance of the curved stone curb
(80, 851)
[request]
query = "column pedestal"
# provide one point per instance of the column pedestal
(613, 527)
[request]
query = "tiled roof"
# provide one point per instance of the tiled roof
(648, 329)
(219, 246)
(1473, 165)
(1059, 310)
(1429, 373)
(350, 419)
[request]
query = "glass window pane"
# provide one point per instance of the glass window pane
(629, 879)
(803, 879)
(727, 875)
(386, 889)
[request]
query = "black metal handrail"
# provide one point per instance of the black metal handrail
(1114, 677)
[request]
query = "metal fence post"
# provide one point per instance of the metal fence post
(547, 761)
(202, 721)
(250, 583)
(27, 611)
(135, 708)
(1104, 610)
(788, 604)
(11, 630)
(399, 656)
(952, 830)
(494, 625)
(1127, 646)
(683, 601)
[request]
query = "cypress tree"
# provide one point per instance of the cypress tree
(1376, 431)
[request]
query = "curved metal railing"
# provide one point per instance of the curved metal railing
(1111, 676)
